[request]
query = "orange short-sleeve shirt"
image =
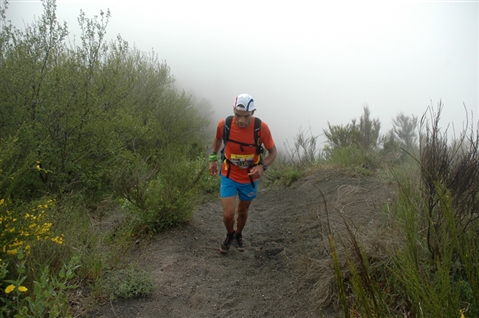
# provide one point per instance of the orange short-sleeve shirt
(244, 156)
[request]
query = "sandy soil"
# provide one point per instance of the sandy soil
(277, 275)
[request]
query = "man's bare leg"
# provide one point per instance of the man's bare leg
(229, 222)
(243, 207)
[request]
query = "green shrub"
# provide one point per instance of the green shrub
(209, 186)
(354, 157)
(163, 197)
(284, 176)
(129, 282)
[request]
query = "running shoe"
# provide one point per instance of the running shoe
(239, 242)
(225, 246)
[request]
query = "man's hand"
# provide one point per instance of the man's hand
(213, 168)
(256, 172)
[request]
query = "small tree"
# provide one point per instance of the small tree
(354, 144)
(368, 131)
(364, 135)
(405, 130)
(340, 136)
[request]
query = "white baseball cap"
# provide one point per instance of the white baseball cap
(244, 102)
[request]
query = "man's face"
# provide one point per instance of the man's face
(243, 118)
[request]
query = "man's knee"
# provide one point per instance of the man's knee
(228, 216)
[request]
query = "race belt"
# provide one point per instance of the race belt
(242, 161)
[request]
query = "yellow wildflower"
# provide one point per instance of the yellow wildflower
(12, 252)
(58, 239)
(9, 289)
(1, 201)
(22, 289)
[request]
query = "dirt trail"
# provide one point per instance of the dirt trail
(284, 234)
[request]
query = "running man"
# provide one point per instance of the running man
(243, 164)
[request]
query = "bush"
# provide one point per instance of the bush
(130, 282)
(283, 175)
(163, 197)
(354, 157)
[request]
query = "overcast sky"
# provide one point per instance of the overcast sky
(306, 63)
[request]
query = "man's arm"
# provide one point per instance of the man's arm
(213, 166)
(217, 144)
(272, 152)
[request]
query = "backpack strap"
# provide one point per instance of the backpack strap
(257, 138)
(226, 135)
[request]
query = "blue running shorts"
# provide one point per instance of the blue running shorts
(230, 188)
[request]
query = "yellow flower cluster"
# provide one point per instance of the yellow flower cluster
(58, 239)
(12, 287)
(15, 233)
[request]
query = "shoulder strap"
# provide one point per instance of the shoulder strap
(226, 133)
(257, 131)
(227, 128)
(257, 138)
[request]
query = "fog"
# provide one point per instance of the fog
(305, 63)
